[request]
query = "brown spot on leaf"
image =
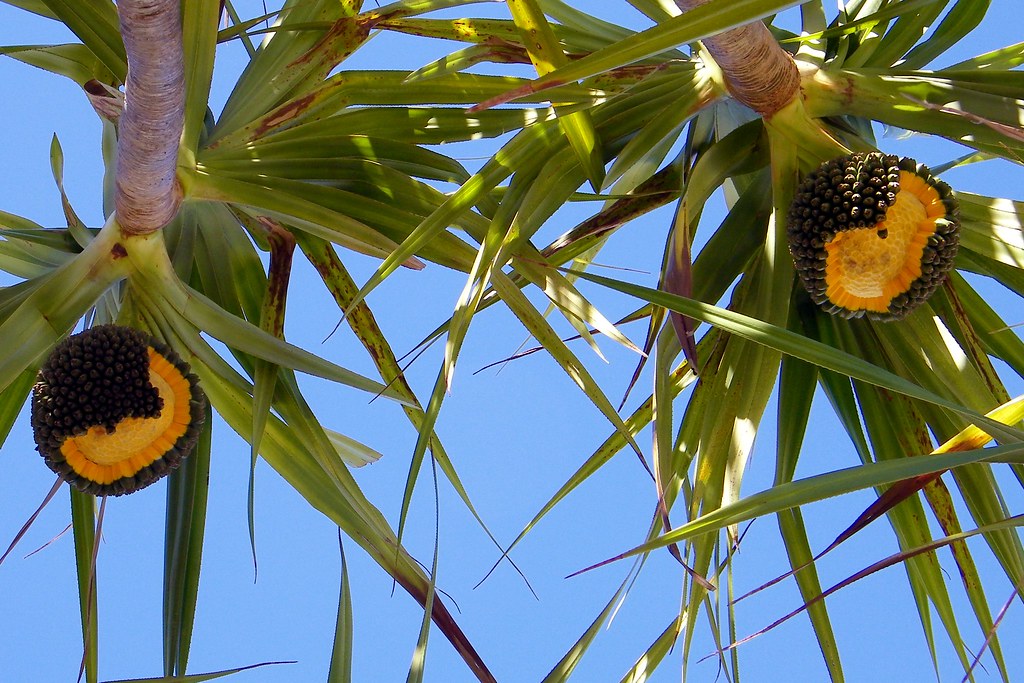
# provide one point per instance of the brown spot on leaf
(118, 251)
(285, 113)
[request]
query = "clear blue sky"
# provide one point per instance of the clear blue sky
(289, 614)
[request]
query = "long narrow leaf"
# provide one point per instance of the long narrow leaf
(83, 523)
(187, 494)
(341, 653)
(812, 489)
(707, 19)
(800, 347)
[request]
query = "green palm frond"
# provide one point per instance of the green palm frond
(357, 165)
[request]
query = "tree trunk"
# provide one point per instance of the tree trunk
(758, 72)
(147, 195)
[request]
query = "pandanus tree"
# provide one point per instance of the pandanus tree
(840, 268)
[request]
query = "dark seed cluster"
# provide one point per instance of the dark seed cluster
(98, 378)
(847, 193)
(854, 192)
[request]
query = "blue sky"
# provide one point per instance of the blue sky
(510, 471)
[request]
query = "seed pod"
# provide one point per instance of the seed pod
(113, 410)
(872, 234)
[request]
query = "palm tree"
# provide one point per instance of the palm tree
(307, 153)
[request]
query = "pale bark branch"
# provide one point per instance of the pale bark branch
(758, 72)
(147, 194)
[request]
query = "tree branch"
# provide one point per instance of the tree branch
(758, 72)
(147, 195)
